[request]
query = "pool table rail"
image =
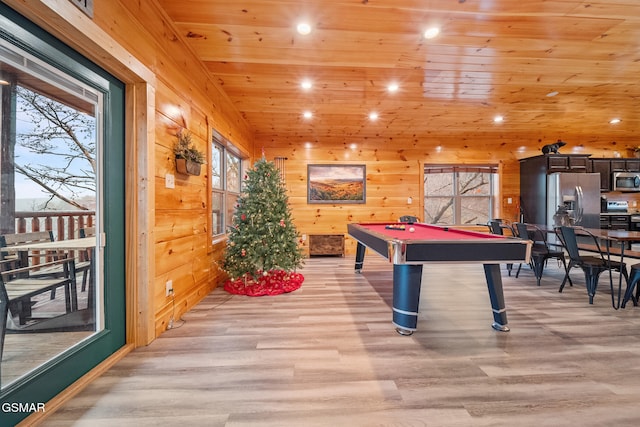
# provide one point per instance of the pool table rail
(413, 250)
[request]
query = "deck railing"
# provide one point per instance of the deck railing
(64, 224)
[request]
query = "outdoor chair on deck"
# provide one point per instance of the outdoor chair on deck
(26, 258)
(541, 251)
(16, 239)
(37, 258)
(19, 287)
(592, 265)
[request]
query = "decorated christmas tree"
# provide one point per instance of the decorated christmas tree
(262, 248)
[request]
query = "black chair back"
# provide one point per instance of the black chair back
(409, 219)
(496, 227)
(521, 230)
(569, 239)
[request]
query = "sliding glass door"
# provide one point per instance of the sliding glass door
(62, 181)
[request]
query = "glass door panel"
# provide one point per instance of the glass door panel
(51, 139)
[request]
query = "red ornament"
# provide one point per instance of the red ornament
(243, 217)
(282, 224)
(243, 252)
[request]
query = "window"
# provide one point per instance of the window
(460, 194)
(226, 169)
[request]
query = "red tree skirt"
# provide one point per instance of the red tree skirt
(276, 282)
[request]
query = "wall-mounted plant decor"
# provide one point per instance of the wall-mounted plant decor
(188, 158)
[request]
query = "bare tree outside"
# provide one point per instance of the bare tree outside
(56, 149)
(457, 197)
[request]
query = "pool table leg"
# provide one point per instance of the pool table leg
(406, 297)
(360, 250)
(494, 283)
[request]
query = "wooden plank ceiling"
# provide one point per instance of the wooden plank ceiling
(492, 57)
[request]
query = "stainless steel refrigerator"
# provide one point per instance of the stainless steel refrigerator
(578, 194)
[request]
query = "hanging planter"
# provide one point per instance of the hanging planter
(189, 159)
(188, 167)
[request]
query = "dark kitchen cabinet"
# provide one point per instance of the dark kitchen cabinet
(607, 167)
(566, 163)
(633, 165)
(603, 167)
(615, 222)
(625, 165)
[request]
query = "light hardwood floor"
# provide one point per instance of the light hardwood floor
(328, 355)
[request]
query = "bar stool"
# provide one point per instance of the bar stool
(634, 277)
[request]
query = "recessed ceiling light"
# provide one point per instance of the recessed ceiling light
(498, 119)
(307, 114)
(306, 84)
(432, 32)
(393, 87)
(614, 121)
(552, 94)
(303, 28)
(373, 116)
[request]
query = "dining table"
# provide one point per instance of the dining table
(67, 244)
(610, 238)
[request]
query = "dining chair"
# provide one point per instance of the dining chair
(409, 219)
(498, 227)
(634, 283)
(541, 251)
(592, 265)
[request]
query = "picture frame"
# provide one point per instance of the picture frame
(336, 183)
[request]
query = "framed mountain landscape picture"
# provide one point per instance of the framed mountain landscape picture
(336, 183)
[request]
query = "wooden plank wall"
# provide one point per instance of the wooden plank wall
(394, 173)
(185, 98)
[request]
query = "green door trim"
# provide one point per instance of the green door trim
(53, 377)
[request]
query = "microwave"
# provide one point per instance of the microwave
(626, 181)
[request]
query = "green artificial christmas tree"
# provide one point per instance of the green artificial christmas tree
(262, 248)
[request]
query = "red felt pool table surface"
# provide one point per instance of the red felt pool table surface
(426, 232)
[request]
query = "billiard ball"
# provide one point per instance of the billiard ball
(411, 229)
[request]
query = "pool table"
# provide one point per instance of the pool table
(410, 246)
